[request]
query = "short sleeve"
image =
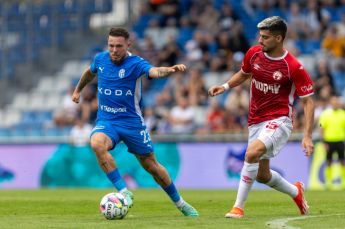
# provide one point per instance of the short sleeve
(246, 66)
(94, 65)
(302, 82)
(246, 63)
(143, 67)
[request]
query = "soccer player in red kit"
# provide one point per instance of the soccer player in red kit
(277, 78)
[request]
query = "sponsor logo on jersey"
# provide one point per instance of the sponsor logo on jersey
(117, 92)
(308, 88)
(101, 69)
(256, 66)
(122, 73)
(264, 87)
(277, 75)
(113, 110)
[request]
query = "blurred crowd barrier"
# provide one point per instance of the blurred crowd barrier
(198, 165)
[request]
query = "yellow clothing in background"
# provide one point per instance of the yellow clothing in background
(333, 124)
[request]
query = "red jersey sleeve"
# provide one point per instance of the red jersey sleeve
(246, 66)
(302, 82)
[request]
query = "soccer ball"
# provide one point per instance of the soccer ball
(114, 206)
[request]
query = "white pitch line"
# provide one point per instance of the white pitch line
(282, 223)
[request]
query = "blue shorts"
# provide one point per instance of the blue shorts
(137, 139)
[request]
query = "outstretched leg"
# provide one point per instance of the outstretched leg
(161, 176)
(277, 182)
(100, 144)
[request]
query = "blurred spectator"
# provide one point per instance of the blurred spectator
(149, 51)
(170, 53)
(323, 77)
(169, 31)
(67, 113)
(320, 106)
(151, 120)
(315, 19)
(341, 25)
(237, 61)
(227, 17)
(181, 117)
(162, 110)
(215, 117)
(236, 99)
(154, 32)
(80, 133)
(332, 131)
(231, 122)
(237, 41)
(186, 31)
(169, 9)
(176, 86)
(197, 93)
(333, 42)
(338, 76)
(196, 47)
(218, 62)
(89, 104)
(223, 44)
(296, 20)
(208, 19)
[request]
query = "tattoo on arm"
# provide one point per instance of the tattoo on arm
(159, 72)
(86, 78)
(162, 72)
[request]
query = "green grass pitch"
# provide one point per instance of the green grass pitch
(78, 208)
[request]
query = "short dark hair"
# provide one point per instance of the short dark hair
(119, 32)
(274, 24)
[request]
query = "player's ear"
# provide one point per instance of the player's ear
(279, 38)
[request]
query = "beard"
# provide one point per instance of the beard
(266, 49)
(118, 60)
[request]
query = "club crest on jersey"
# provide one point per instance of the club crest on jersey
(122, 73)
(277, 75)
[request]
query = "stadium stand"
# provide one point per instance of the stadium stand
(195, 39)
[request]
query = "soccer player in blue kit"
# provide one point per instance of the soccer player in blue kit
(119, 116)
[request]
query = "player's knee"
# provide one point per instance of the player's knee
(97, 146)
(252, 157)
(253, 154)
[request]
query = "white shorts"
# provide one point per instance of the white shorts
(273, 133)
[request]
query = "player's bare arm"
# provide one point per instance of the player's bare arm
(307, 143)
(160, 72)
(85, 78)
(237, 79)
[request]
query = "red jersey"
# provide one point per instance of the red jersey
(275, 84)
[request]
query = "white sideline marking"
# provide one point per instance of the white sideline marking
(282, 223)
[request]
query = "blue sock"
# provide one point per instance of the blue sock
(116, 179)
(172, 192)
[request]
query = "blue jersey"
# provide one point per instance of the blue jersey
(119, 88)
